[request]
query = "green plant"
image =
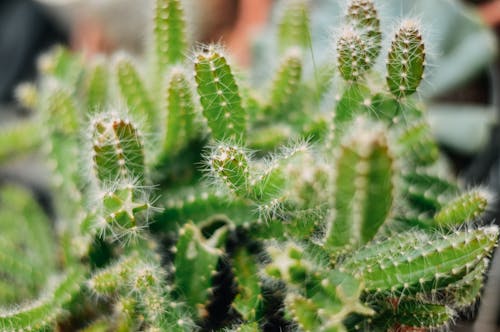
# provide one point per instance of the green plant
(209, 204)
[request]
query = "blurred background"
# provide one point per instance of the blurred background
(463, 90)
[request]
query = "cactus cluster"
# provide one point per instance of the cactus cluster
(202, 203)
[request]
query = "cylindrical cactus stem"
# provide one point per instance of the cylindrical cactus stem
(364, 16)
(97, 87)
(179, 125)
(412, 314)
(363, 188)
(219, 96)
(414, 262)
(62, 120)
(286, 83)
(465, 208)
(62, 113)
(427, 192)
(466, 291)
(352, 55)
(118, 162)
(170, 41)
(134, 92)
(293, 28)
(118, 151)
(249, 300)
(112, 279)
(195, 264)
(43, 314)
(20, 138)
(230, 165)
(416, 144)
(352, 103)
(62, 64)
(406, 60)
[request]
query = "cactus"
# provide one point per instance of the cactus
(406, 60)
(293, 29)
(352, 54)
(250, 209)
(364, 170)
(363, 16)
(219, 96)
(169, 33)
(97, 87)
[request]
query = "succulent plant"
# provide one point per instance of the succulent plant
(207, 204)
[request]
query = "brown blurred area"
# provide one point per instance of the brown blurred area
(490, 12)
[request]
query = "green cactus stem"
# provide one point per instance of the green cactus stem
(363, 15)
(352, 56)
(200, 204)
(118, 151)
(230, 164)
(413, 314)
(286, 84)
(249, 300)
(350, 104)
(406, 60)
(134, 92)
(417, 145)
(427, 192)
(219, 96)
(27, 247)
(18, 139)
(42, 314)
(195, 264)
(466, 208)
(293, 29)
(407, 264)
(170, 33)
(465, 292)
(180, 122)
(97, 87)
(364, 170)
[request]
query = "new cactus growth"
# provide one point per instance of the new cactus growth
(293, 29)
(352, 56)
(406, 60)
(363, 15)
(249, 210)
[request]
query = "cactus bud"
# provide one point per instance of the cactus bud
(406, 60)
(363, 15)
(351, 56)
(118, 149)
(464, 208)
(230, 164)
